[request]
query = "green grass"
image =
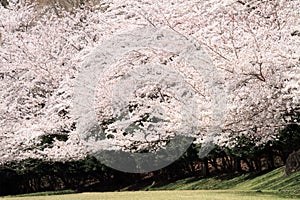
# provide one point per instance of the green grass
(274, 180)
(161, 195)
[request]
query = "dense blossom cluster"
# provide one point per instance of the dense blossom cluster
(255, 44)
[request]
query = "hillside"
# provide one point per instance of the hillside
(268, 182)
(274, 180)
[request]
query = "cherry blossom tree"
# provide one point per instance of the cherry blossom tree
(254, 44)
(256, 47)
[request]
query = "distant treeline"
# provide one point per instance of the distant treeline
(90, 175)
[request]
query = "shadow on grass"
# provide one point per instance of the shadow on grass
(48, 193)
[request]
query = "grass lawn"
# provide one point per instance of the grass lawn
(163, 195)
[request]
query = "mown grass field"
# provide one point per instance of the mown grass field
(162, 195)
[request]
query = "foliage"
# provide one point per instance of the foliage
(33, 175)
(253, 43)
(288, 140)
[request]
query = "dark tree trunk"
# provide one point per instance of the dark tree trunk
(205, 168)
(237, 164)
(215, 164)
(257, 164)
(249, 164)
(271, 164)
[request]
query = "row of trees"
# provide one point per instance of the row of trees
(89, 174)
(45, 47)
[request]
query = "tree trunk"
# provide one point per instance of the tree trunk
(237, 164)
(205, 168)
(249, 164)
(271, 164)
